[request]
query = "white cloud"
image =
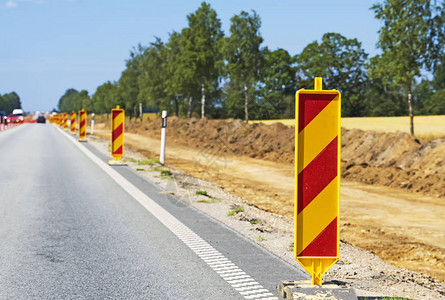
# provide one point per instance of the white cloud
(10, 4)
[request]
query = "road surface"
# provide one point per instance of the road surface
(72, 227)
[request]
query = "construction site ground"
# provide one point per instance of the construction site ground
(393, 185)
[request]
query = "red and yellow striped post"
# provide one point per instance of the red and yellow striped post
(73, 122)
(317, 179)
(65, 121)
(82, 125)
(117, 133)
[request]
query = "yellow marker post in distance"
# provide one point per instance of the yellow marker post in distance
(117, 135)
(317, 179)
(65, 121)
(73, 122)
(82, 125)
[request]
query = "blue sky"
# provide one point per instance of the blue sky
(48, 46)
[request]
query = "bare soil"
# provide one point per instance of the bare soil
(393, 186)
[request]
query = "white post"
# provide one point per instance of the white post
(163, 133)
(92, 124)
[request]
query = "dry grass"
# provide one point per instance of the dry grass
(425, 127)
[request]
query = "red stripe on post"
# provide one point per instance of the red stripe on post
(118, 131)
(317, 174)
(82, 123)
(118, 151)
(116, 113)
(325, 244)
(310, 106)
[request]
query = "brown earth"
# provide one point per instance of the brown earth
(255, 162)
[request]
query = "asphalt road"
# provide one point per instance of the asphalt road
(73, 228)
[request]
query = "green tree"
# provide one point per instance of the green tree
(435, 105)
(341, 63)
(74, 100)
(128, 82)
(278, 85)
(244, 58)
(412, 39)
(201, 55)
(9, 102)
(175, 83)
(66, 102)
(152, 82)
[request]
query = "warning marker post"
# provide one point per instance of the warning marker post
(117, 136)
(65, 121)
(317, 179)
(73, 122)
(82, 125)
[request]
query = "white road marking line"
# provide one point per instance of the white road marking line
(229, 271)
(232, 274)
(257, 296)
(245, 284)
(253, 287)
(184, 233)
(213, 259)
(236, 277)
(253, 292)
(239, 281)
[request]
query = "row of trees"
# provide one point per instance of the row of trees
(9, 102)
(200, 71)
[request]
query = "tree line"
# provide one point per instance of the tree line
(9, 102)
(199, 71)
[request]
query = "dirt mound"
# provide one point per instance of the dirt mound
(270, 142)
(395, 160)
(391, 159)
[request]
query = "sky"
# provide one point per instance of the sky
(49, 46)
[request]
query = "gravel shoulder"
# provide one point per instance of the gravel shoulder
(359, 269)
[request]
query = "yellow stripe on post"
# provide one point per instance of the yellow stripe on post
(321, 133)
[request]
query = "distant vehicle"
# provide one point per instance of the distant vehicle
(16, 116)
(17, 111)
(12, 118)
(41, 119)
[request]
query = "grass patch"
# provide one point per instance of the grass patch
(166, 173)
(381, 298)
(148, 162)
(261, 238)
(202, 192)
(156, 169)
(253, 222)
(348, 262)
(208, 201)
(235, 211)
(140, 169)
(290, 248)
(131, 159)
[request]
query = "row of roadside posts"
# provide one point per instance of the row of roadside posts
(117, 131)
(317, 173)
(62, 121)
